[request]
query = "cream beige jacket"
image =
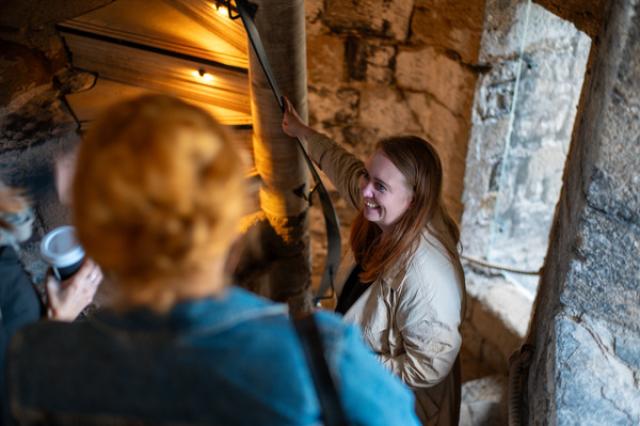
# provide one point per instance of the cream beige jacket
(411, 316)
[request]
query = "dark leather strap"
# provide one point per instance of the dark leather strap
(246, 10)
(332, 410)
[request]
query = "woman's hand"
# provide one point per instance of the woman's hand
(67, 299)
(292, 124)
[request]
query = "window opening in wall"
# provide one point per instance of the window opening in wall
(524, 111)
(549, 78)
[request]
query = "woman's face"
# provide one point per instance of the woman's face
(385, 192)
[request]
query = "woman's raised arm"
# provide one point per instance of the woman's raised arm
(343, 168)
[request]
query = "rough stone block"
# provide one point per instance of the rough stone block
(604, 277)
(329, 107)
(507, 23)
(548, 93)
(383, 110)
(494, 331)
(512, 305)
(444, 129)
(449, 25)
(588, 374)
(511, 190)
(388, 18)
(35, 116)
(313, 11)
(380, 64)
(614, 188)
(369, 60)
(325, 60)
(21, 69)
(496, 89)
(528, 194)
(586, 15)
(484, 402)
(379, 75)
(361, 139)
(507, 303)
(429, 70)
(450, 134)
(486, 146)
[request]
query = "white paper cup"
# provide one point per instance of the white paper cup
(61, 250)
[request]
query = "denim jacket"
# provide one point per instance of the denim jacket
(231, 360)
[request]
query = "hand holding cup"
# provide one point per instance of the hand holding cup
(68, 298)
(74, 279)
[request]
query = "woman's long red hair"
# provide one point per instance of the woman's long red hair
(378, 252)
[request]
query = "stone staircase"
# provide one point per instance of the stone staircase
(484, 402)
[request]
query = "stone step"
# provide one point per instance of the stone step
(484, 402)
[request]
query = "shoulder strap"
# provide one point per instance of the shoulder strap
(332, 411)
(246, 11)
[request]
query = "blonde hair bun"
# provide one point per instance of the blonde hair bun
(158, 189)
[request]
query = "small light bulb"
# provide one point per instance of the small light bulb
(201, 74)
(223, 11)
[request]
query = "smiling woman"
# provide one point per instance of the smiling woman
(385, 192)
(404, 283)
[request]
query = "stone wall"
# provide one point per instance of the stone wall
(386, 67)
(522, 119)
(586, 15)
(35, 123)
(586, 329)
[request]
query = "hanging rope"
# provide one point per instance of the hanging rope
(499, 267)
(246, 11)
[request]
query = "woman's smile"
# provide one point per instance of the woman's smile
(371, 204)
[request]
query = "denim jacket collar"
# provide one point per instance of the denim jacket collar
(207, 315)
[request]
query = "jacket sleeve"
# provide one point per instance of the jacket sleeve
(428, 317)
(369, 393)
(343, 169)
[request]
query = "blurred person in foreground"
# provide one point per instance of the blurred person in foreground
(19, 301)
(158, 193)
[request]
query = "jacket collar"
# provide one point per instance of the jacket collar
(207, 315)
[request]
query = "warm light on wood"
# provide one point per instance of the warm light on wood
(202, 75)
(222, 10)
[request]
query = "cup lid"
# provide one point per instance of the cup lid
(60, 248)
